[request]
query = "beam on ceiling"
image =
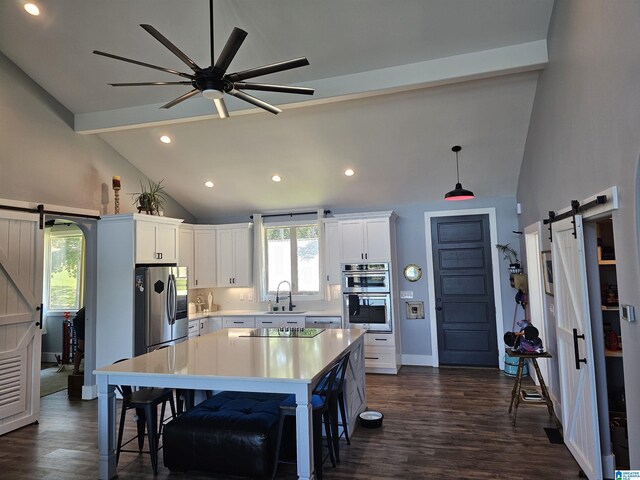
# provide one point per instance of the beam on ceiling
(443, 71)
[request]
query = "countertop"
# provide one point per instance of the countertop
(253, 313)
(228, 354)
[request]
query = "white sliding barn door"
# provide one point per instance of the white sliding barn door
(21, 243)
(577, 378)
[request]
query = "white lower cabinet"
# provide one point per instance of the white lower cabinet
(204, 326)
(238, 322)
(323, 322)
(194, 328)
(215, 324)
(380, 353)
(277, 321)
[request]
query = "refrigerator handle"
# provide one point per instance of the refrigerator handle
(171, 300)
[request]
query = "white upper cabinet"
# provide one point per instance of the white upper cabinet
(364, 239)
(186, 255)
(204, 241)
(156, 239)
(235, 255)
(332, 252)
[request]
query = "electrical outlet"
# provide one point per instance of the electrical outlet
(250, 296)
(241, 296)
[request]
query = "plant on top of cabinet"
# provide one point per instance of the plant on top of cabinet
(151, 200)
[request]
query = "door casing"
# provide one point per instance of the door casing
(495, 266)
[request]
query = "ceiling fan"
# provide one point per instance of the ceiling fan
(214, 81)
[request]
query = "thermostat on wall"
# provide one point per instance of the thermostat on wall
(627, 312)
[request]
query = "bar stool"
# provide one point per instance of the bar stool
(145, 401)
(336, 401)
(320, 412)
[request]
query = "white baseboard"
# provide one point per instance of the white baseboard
(50, 357)
(418, 360)
(89, 392)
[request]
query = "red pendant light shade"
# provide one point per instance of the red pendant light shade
(458, 193)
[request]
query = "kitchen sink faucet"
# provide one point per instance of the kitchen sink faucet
(291, 305)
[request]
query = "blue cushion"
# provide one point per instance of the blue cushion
(317, 401)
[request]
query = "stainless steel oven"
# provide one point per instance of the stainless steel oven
(362, 278)
(370, 311)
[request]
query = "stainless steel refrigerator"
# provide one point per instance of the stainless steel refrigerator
(161, 307)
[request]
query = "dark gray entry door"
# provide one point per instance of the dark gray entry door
(465, 308)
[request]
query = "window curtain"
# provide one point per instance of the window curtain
(259, 266)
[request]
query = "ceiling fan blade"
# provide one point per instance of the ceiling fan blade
(181, 98)
(267, 69)
(175, 50)
(221, 107)
(230, 49)
(142, 64)
(255, 101)
(144, 84)
(266, 87)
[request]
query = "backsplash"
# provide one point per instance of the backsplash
(242, 299)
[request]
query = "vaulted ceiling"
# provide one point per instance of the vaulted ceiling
(397, 84)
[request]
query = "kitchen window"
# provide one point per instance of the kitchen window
(292, 253)
(64, 269)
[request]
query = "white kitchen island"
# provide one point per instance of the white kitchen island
(228, 360)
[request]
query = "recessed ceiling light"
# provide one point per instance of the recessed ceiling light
(208, 184)
(276, 178)
(165, 139)
(349, 173)
(32, 9)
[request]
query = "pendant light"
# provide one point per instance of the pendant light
(458, 193)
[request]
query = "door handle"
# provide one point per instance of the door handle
(439, 308)
(39, 309)
(576, 351)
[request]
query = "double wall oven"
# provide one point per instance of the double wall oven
(367, 296)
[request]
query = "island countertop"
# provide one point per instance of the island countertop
(230, 353)
(229, 360)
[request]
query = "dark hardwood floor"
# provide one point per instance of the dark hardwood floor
(447, 423)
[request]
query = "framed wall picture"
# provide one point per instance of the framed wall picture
(547, 272)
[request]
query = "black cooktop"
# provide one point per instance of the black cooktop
(295, 332)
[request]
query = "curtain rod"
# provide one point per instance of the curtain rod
(42, 212)
(290, 214)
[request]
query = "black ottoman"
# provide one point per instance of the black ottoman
(231, 433)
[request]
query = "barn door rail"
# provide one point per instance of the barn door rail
(576, 209)
(42, 211)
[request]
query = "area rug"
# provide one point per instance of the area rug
(52, 381)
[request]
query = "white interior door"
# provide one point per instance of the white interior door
(573, 328)
(21, 243)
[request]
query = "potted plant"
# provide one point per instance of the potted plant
(150, 199)
(512, 256)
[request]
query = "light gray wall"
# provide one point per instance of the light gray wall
(43, 160)
(583, 139)
(411, 248)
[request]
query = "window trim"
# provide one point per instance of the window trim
(297, 296)
(47, 266)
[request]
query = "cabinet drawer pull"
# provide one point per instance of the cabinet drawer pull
(267, 322)
(239, 322)
(372, 358)
(293, 323)
(381, 339)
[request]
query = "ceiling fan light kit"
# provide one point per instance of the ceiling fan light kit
(213, 82)
(458, 193)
